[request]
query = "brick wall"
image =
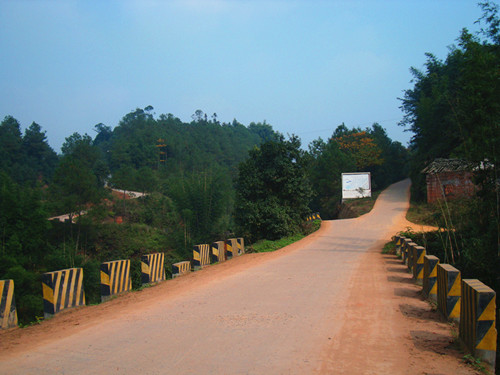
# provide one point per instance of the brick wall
(453, 184)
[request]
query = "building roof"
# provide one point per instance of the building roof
(449, 165)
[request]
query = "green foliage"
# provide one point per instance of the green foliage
(453, 111)
(453, 108)
(265, 246)
(26, 159)
(273, 191)
(326, 165)
(203, 200)
(352, 150)
(389, 248)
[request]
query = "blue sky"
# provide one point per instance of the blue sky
(303, 66)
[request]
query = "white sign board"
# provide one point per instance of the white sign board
(356, 185)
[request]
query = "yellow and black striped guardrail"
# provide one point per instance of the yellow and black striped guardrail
(231, 248)
(406, 249)
(218, 251)
(314, 216)
(61, 290)
(418, 262)
(430, 276)
(8, 312)
(181, 268)
(115, 278)
(152, 268)
(201, 256)
(449, 291)
(410, 246)
(240, 243)
(398, 240)
(477, 320)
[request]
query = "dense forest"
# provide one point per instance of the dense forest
(204, 181)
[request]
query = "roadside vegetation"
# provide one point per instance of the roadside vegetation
(265, 246)
(204, 181)
(454, 112)
(353, 208)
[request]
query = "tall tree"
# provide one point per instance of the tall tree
(41, 159)
(326, 164)
(273, 191)
(11, 155)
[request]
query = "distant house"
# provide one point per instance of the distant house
(449, 179)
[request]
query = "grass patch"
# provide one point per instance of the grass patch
(265, 246)
(353, 208)
(423, 213)
(389, 248)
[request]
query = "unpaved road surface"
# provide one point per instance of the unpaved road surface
(329, 304)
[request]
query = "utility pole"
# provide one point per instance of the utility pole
(162, 151)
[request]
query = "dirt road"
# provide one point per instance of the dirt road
(329, 304)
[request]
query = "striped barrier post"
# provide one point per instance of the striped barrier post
(218, 251)
(430, 276)
(406, 246)
(231, 248)
(477, 320)
(115, 278)
(152, 268)
(181, 268)
(8, 312)
(62, 290)
(240, 243)
(403, 252)
(418, 262)
(449, 291)
(313, 216)
(201, 256)
(410, 245)
(398, 240)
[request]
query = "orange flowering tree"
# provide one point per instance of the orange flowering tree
(362, 147)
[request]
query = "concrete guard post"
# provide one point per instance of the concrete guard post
(410, 246)
(201, 256)
(430, 277)
(418, 263)
(231, 248)
(240, 243)
(398, 240)
(8, 312)
(402, 249)
(218, 251)
(181, 268)
(406, 249)
(477, 320)
(449, 291)
(314, 216)
(61, 290)
(152, 268)
(115, 278)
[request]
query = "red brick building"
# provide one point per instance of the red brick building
(449, 179)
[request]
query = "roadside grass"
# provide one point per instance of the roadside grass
(389, 248)
(265, 246)
(353, 208)
(423, 213)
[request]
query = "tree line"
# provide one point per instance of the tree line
(453, 110)
(204, 180)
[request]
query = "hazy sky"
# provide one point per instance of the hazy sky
(303, 66)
